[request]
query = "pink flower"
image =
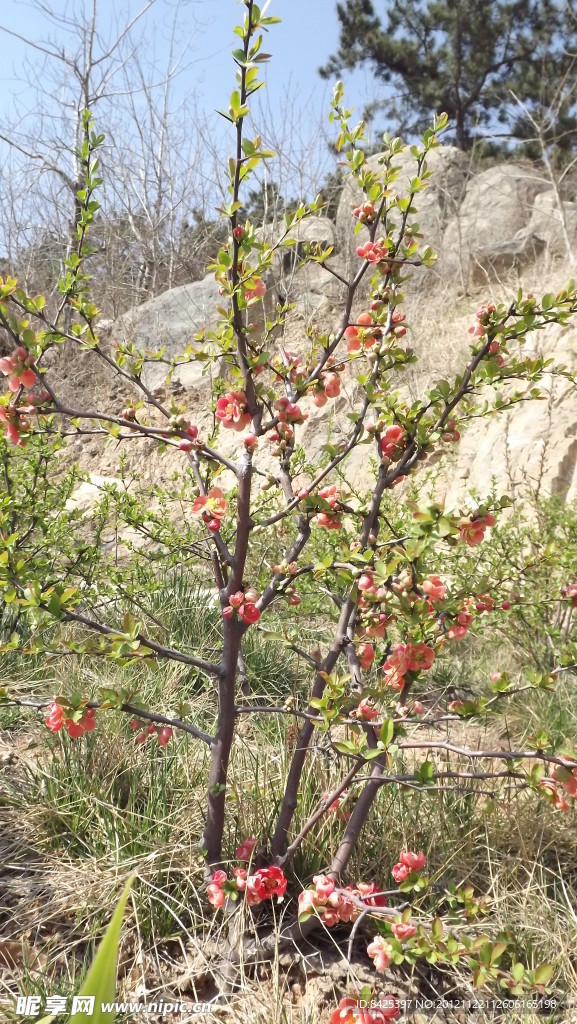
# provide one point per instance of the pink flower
(215, 888)
(245, 850)
(380, 952)
(420, 657)
(349, 1012)
(264, 884)
(434, 587)
(54, 717)
(231, 410)
(240, 878)
(362, 334)
(257, 289)
(332, 384)
(249, 613)
(324, 886)
(457, 632)
(398, 659)
(400, 872)
(372, 252)
(307, 902)
(216, 896)
(403, 930)
(18, 368)
(366, 656)
(371, 894)
(392, 442)
(212, 506)
(365, 710)
(414, 861)
(473, 532)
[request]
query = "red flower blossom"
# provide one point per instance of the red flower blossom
(212, 506)
(264, 884)
(231, 410)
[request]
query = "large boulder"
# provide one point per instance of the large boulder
(555, 222)
(436, 205)
(171, 320)
(534, 444)
(498, 203)
(496, 261)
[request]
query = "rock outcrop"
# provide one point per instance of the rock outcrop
(490, 231)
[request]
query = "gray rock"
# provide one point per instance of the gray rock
(548, 220)
(498, 204)
(497, 261)
(172, 320)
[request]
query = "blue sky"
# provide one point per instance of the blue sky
(294, 90)
(307, 36)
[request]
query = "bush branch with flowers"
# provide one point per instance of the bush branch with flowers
(390, 610)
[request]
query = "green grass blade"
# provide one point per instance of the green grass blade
(100, 981)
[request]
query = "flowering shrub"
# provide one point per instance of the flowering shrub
(396, 609)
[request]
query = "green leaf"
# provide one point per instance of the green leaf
(387, 731)
(100, 981)
(543, 974)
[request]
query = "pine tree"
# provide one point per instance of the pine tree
(467, 57)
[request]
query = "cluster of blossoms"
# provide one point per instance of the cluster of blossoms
(362, 335)
(434, 588)
(289, 367)
(243, 602)
(372, 622)
(76, 722)
(18, 368)
(393, 442)
(365, 711)
(406, 658)
(330, 520)
(212, 507)
(329, 386)
(262, 885)
(354, 1011)
(333, 904)
(375, 252)
(479, 330)
(381, 952)
(15, 422)
(407, 863)
(563, 783)
(365, 213)
(473, 530)
(460, 626)
(366, 655)
(163, 733)
(569, 592)
(288, 413)
(187, 444)
(450, 433)
(231, 410)
(482, 320)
